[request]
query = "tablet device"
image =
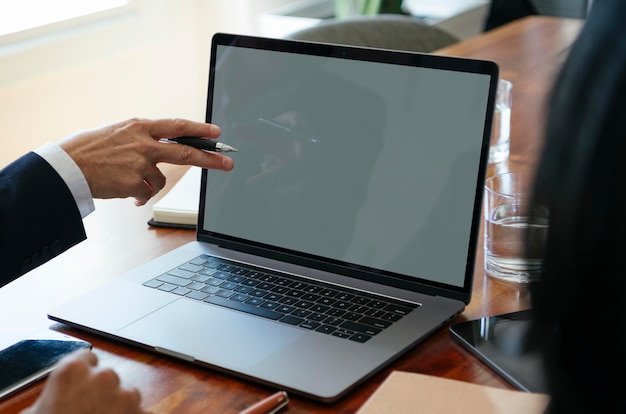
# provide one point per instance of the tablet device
(30, 360)
(500, 342)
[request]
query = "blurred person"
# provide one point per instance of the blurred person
(578, 303)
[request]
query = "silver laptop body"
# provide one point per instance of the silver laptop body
(359, 174)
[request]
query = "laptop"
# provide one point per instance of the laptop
(345, 234)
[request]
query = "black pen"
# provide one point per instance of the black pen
(203, 144)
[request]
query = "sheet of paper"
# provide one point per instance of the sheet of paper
(405, 392)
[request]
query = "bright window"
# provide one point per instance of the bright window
(17, 16)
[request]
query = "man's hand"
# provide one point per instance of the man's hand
(120, 160)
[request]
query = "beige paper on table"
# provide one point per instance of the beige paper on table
(405, 392)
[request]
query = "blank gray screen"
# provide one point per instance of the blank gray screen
(368, 163)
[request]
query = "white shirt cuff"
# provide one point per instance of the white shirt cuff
(65, 166)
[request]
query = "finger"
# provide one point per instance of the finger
(169, 128)
(134, 397)
(106, 378)
(144, 194)
(154, 179)
(84, 355)
(186, 155)
(146, 185)
(127, 401)
(75, 365)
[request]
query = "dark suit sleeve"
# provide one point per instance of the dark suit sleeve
(39, 218)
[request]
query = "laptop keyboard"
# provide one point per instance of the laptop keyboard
(316, 306)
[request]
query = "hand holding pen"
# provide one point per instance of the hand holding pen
(122, 159)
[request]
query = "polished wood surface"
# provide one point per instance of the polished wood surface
(529, 53)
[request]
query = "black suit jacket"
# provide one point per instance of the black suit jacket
(39, 218)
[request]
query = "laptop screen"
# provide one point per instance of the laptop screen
(370, 160)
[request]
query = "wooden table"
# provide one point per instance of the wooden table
(529, 53)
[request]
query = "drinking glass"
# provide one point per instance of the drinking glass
(510, 222)
(500, 143)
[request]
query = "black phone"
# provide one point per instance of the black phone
(30, 360)
(501, 342)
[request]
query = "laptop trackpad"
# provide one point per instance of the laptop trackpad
(211, 334)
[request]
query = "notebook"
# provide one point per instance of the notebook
(345, 234)
(179, 207)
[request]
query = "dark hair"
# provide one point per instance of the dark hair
(579, 302)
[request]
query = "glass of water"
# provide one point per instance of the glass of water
(510, 220)
(499, 146)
